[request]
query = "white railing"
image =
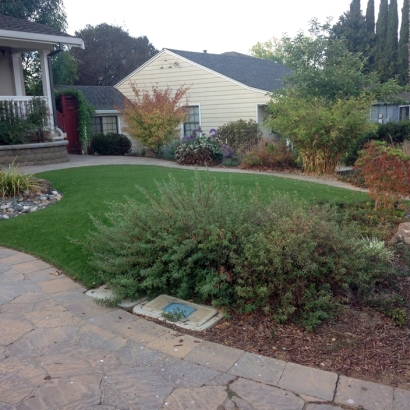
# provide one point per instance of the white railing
(16, 106)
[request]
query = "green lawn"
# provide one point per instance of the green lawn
(49, 234)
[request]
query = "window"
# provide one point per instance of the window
(104, 125)
(404, 112)
(192, 120)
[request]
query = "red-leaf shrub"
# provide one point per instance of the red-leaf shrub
(386, 171)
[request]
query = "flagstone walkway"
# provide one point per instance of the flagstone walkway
(59, 350)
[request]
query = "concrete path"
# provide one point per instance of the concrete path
(59, 350)
(91, 160)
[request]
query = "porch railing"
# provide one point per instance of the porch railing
(22, 107)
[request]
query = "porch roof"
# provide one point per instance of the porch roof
(16, 29)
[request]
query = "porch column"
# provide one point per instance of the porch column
(18, 74)
(45, 78)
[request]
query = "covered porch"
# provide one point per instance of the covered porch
(20, 36)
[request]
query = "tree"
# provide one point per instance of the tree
(324, 108)
(153, 117)
(352, 27)
(110, 54)
(381, 51)
(392, 42)
(269, 50)
(371, 35)
(48, 12)
(403, 51)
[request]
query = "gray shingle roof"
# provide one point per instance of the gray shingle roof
(100, 97)
(253, 72)
(13, 24)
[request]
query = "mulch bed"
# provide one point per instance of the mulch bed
(361, 343)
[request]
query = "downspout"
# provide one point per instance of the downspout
(53, 99)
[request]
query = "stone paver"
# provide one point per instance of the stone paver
(401, 399)
(259, 368)
(204, 398)
(261, 396)
(174, 344)
(306, 380)
(216, 356)
(370, 396)
(59, 350)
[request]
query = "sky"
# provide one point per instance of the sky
(213, 25)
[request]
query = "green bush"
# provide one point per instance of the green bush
(391, 133)
(212, 244)
(110, 144)
(240, 134)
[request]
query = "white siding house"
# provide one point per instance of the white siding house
(223, 87)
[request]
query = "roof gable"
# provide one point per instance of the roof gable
(253, 72)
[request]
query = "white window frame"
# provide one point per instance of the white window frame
(200, 117)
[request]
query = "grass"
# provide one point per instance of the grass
(50, 234)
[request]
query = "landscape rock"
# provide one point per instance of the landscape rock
(402, 234)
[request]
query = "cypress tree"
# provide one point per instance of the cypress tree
(371, 36)
(382, 62)
(392, 43)
(403, 51)
(370, 19)
(351, 27)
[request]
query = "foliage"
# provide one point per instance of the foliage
(153, 117)
(200, 149)
(64, 68)
(390, 132)
(18, 127)
(210, 243)
(48, 12)
(168, 151)
(270, 154)
(381, 51)
(269, 50)
(403, 50)
(324, 67)
(13, 183)
(85, 113)
(321, 130)
(386, 171)
(110, 54)
(240, 134)
(392, 41)
(110, 144)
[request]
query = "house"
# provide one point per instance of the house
(382, 113)
(21, 36)
(223, 87)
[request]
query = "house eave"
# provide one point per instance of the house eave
(41, 38)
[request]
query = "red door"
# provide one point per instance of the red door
(68, 122)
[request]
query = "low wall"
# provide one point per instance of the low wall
(42, 153)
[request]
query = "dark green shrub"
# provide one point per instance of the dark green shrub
(110, 144)
(211, 244)
(391, 133)
(240, 134)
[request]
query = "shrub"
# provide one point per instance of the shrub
(269, 154)
(386, 171)
(18, 127)
(168, 151)
(153, 116)
(200, 149)
(391, 133)
(13, 184)
(110, 144)
(240, 134)
(211, 244)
